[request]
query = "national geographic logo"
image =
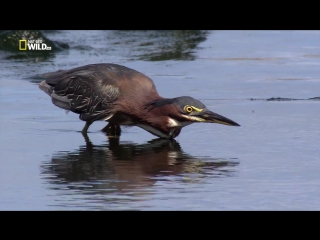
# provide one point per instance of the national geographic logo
(33, 45)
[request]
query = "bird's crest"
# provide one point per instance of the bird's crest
(158, 103)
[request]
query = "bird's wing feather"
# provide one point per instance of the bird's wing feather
(91, 90)
(89, 99)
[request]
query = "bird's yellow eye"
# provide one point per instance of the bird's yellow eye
(188, 109)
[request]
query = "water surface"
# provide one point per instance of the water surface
(267, 81)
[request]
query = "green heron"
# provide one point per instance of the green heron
(123, 96)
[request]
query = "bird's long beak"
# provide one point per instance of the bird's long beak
(212, 117)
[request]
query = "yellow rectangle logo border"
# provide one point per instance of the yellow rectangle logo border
(20, 44)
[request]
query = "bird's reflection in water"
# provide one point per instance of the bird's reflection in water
(124, 167)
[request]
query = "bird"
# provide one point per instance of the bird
(123, 96)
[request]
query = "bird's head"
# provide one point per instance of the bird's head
(186, 110)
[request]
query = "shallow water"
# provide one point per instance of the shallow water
(267, 81)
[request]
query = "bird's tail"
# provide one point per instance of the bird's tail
(46, 88)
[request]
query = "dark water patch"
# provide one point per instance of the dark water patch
(243, 59)
(291, 99)
(83, 48)
(282, 99)
(314, 98)
(161, 45)
(10, 41)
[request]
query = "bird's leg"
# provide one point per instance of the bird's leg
(87, 140)
(85, 128)
(113, 143)
(112, 129)
(118, 130)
